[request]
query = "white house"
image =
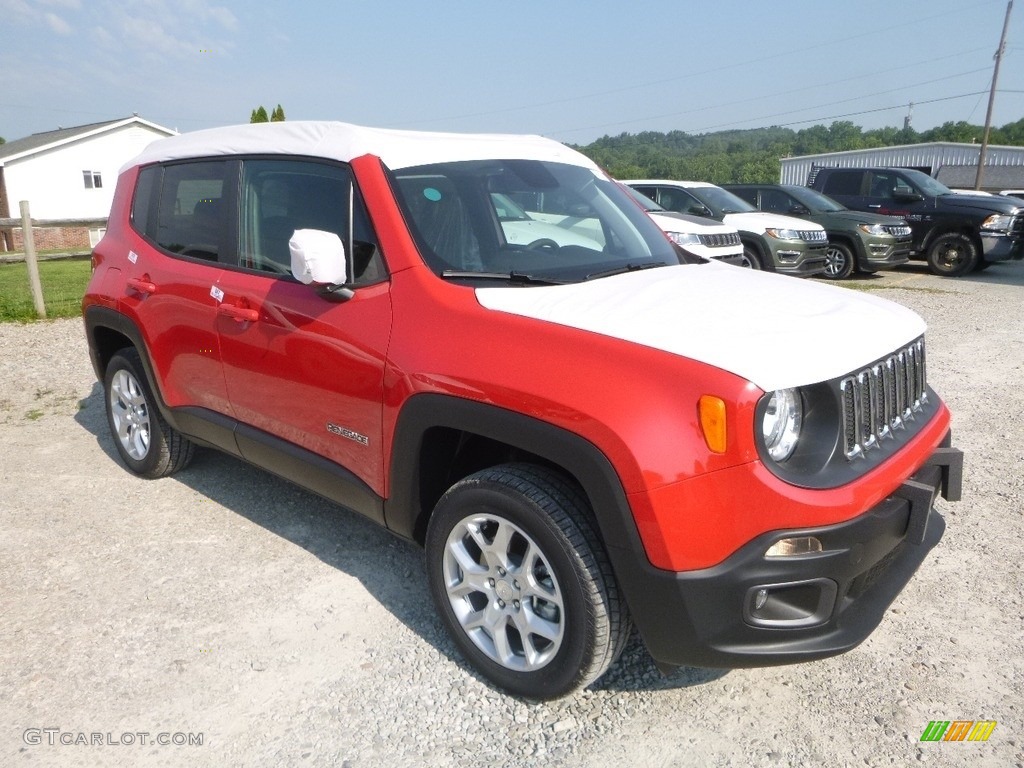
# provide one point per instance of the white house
(69, 173)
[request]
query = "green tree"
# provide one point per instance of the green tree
(259, 115)
(277, 116)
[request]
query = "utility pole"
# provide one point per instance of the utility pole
(992, 98)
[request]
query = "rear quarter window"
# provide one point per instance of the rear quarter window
(843, 183)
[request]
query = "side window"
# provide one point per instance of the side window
(191, 218)
(884, 184)
(843, 183)
(683, 202)
(776, 200)
(281, 196)
(142, 202)
(750, 195)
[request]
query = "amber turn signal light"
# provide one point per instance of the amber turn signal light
(713, 422)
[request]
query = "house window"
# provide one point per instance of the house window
(93, 179)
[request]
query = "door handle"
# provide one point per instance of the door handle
(238, 314)
(142, 284)
(874, 206)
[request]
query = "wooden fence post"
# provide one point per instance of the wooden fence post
(31, 262)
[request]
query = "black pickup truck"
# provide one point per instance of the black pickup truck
(954, 233)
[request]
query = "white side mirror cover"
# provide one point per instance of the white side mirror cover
(317, 257)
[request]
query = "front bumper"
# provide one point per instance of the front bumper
(1001, 247)
(752, 610)
(799, 258)
(886, 253)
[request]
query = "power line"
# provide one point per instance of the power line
(762, 118)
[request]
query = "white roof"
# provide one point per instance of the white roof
(344, 142)
(669, 182)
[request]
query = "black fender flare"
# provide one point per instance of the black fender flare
(404, 508)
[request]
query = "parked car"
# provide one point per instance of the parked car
(702, 236)
(771, 242)
(581, 437)
(856, 240)
(954, 233)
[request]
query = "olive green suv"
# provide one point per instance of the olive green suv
(857, 240)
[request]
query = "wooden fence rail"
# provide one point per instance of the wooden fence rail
(26, 222)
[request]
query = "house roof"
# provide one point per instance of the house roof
(40, 142)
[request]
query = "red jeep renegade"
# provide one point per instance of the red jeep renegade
(482, 343)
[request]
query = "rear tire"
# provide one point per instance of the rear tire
(522, 581)
(147, 444)
(952, 255)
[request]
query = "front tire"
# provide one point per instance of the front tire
(522, 582)
(839, 261)
(751, 258)
(952, 254)
(147, 444)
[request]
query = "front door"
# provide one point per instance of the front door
(300, 367)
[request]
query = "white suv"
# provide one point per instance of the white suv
(699, 235)
(770, 241)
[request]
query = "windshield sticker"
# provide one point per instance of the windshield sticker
(433, 195)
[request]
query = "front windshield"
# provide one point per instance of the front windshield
(927, 184)
(720, 201)
(814, 201)
(526, 220)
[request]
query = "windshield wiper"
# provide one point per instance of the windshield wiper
(625, 269)
(517, 278)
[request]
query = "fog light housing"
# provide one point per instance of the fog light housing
(790, 605)
(794, 547)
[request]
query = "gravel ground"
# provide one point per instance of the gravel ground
(229, 604)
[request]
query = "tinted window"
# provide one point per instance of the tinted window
(750, 195)
(843, 183)
(142, 203)
(191, 217)
(282, 196)
(776, 200)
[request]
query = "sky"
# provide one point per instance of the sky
(573, 70)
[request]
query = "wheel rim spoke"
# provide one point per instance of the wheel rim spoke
(130, 414)
(503, 592)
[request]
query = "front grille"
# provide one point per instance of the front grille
(881, 399)
(813, 235)
(1017, 225)
(720, 241)
(897, 230)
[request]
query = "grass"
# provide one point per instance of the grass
(63, 282)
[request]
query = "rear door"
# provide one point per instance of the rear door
(303, 369)
(183, 212)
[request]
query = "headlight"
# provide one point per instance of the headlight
(783, 419)
(872, 229)
(783, 234)
(682, 238)
(998, 221)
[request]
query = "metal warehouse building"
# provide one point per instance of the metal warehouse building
(955, 165)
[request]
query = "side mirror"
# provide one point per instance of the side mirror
(700, 210)
(798, 210)
(318, 258)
